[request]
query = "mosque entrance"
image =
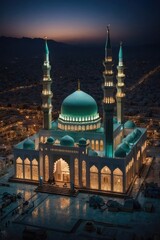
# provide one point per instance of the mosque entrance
(61, 171)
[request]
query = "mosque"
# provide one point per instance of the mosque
(79, 149)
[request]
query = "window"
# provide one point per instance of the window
(35, 169)
(105, 179)
(27, 169)
(83, 173)
(19, 168)
(117, 180)
(94, 177)
(46, 168)
(76, 175)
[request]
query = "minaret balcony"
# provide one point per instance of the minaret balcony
(47, 79)
(121, 75)
(108, 84)
(107, 75)
(108, 100)
(120, 84)
(47, 93)
(108, 59)
(120, 95)
(46, 106)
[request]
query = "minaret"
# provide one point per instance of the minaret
(46, 92)
(120, 87)
(108, 98)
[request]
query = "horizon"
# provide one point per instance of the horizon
(86, 44)
(84, 22)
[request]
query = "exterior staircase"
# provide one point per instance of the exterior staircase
(51, 189)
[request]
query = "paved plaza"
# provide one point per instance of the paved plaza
(65, 217)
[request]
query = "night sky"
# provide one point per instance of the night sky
(72, 21)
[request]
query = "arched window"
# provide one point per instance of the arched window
(97, 145)
(34, 169)
(105, 179)
(19, 168)
(101, 145)
(118, 180)
(27, 169)
(83, 128)
(46, 168)
(94, 177)
(76, 175)
(83, 173)
(92, 144)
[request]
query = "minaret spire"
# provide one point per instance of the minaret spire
(120, 96)
(108, 44)
(46, 92)
(46, 51)
(108, 98)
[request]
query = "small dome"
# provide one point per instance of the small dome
(115, 120)
(120, 152)
(82, 142)
(137, 133)
(28, 144)
(92, 153)
(129, 124)
(125, 147)
(67, 141)
(50, 140)
(101, 130)
(54, 125)
(128, 139)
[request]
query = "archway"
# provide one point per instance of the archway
(61, 171)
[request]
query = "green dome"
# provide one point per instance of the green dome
(29, 144)
(50, 140)
(79, 104)
(101, 130)
(129, 124)
(115, 120)
(137, 134)
(129, 138)
(67, 141)
(54, 125)
(92, 153)
(82, 142)
(125, 147)
(120, 152)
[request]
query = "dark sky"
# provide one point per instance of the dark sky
(133, 21)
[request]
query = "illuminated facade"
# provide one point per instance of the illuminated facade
(79, 148)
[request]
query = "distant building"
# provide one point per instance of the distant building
(79, 148)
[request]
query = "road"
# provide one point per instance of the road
(144, 78)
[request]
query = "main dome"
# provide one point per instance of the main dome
(79, 104)
(79, 108)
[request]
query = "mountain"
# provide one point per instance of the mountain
(26, 47)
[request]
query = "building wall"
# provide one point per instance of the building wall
(74, 165)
